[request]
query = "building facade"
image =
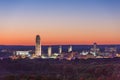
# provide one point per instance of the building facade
(38, 46)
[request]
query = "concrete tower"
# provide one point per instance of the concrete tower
(38, 46)
(49, 51)
(94, 47)
(70, 49)
(60, 49)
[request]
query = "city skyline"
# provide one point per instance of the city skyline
(59, 22)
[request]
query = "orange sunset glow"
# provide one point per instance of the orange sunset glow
(71, 23)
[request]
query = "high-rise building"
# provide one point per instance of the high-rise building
(70, 49)
(60, 49)
(38, 46)
(94, 47)
(49, 51)
(95, 50)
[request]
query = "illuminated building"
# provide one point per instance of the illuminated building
(117, 55)
(22, 53)
(38, 46)
(84, 53)
(95, 50)
(60, 49)
(49, 51)
(94, 47)
(70, 49)
(111, 49)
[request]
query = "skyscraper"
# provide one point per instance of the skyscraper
(94, 47)
(60, 49)
(38, 46)
(95, 50)
(49, 51)
(70, 49)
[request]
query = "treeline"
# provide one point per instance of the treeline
(55, 69)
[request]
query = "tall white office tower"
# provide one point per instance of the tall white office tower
(49, 51)
(60, 49)
(70, 49)
(38, 46)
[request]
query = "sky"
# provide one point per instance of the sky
(59, 22)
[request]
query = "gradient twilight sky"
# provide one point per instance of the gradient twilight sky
(59, 21)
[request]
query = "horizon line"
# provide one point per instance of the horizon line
(53, 44)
